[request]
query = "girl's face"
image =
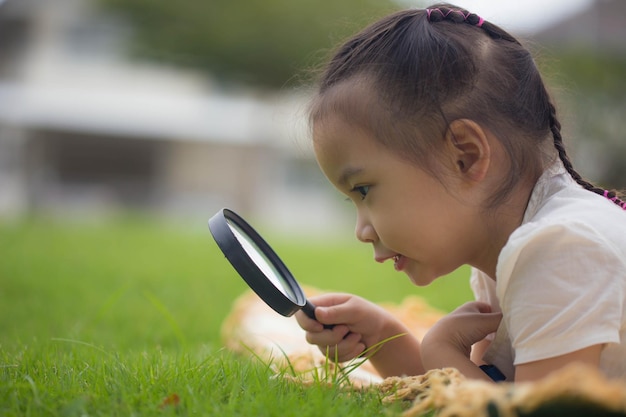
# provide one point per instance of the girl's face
(409, 217)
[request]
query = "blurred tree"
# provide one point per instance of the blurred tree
(258, 42)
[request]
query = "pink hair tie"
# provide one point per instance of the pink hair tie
(613, 199)
(449, 12)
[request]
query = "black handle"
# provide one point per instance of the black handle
(309, 310)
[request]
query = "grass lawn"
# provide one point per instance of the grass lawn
(123, 318)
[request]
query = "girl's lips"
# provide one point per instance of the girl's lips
(399, 262)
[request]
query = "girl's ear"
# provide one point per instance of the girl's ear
(470, 149)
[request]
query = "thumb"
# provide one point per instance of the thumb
(478, 319)
(488, 323)
(474, 307)
(330, 299)
(334, 308)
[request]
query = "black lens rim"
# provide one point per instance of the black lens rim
(246, 267)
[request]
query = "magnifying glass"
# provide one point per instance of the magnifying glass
(258, 265)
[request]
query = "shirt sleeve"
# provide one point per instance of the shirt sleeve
(484, 288)
(561, 289)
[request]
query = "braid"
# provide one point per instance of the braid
(555, 128)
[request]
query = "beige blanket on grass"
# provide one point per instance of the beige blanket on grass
(252, 328)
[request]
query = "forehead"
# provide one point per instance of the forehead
(344, 150)
(336, 136)
(342, 126)
(353, 110)
(355, 101)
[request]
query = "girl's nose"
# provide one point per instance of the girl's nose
(364, 230)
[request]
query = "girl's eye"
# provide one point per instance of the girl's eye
(362, 190)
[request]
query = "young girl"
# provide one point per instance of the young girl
(437, 125)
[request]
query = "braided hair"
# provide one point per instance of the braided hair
(429, 66)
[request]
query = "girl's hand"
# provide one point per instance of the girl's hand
(449, 342)
(359, 325)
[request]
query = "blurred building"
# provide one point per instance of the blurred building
(593, 43)
(602, 26)
(84, 130)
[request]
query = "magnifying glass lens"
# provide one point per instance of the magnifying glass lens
(262, 262)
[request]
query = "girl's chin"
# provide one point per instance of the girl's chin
(421, 283)
(421, 279)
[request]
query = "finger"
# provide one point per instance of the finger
(348, 312)
(483, 307)
(474, 307)
(329, 337)
(489, 322)
(351, 354)
(307, 323)
(484, 324)
(322, 302)
(330, 299)
(349, 348)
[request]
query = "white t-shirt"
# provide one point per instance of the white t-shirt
(560, 279)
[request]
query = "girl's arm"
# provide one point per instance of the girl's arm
(399, 356)
(449, 344)
(445, 355)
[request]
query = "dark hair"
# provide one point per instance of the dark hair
(428, 67)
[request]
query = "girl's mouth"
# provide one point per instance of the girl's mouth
(399, 262)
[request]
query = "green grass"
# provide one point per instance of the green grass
(111, 318)
(75, 379)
